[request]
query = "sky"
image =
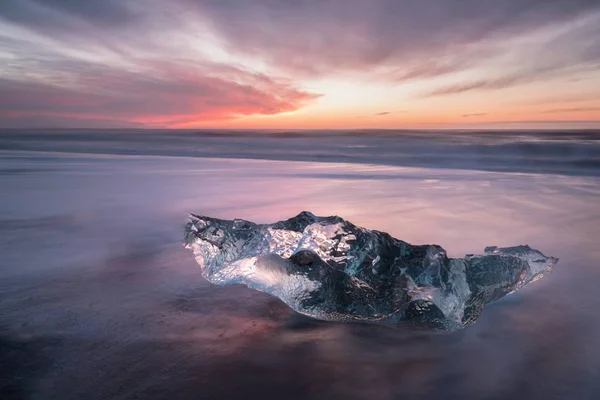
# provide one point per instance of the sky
(295, 64)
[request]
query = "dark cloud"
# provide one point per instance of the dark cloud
(568, 123)
(382, 113)
(87, 22)
(50, 14)
(65, 122)
(587, 78)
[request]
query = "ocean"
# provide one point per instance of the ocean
(99, 300)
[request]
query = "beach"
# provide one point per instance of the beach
(99, 299)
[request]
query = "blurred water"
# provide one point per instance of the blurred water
(99, 300)
(546, 152)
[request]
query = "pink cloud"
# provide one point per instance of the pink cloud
(165, 95)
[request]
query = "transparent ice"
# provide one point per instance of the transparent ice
(330, 269)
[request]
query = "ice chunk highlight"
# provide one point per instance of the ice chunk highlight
(330, 269)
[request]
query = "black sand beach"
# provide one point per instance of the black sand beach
(98, 299)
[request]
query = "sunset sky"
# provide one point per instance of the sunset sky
(300, 64)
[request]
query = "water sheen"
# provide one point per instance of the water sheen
(99, 300)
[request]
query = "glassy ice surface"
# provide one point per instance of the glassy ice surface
(98, 300)
(331, 269)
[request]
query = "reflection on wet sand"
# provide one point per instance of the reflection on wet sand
(99, 300)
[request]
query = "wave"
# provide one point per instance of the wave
(553, 152)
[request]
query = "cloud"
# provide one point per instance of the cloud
(314, 37)
(492, 84)
(174, 62)
(103, 62)
(410, 39)
(419, 69)
(166, 95)
(540, 123)
(569, 49)
(400, 42)
(565, 98)
(91, 78)
(574, 109)
(527, 74)
(474, 115)
(54, 16)
(380, 114)
(65, 122)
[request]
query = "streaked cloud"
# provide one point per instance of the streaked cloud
(491, 84)
(186, 62)
(474, 115)
(317, 37)
(566, 98)
(164, 95)
(570, 110)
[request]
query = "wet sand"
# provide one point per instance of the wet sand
(99, 300)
